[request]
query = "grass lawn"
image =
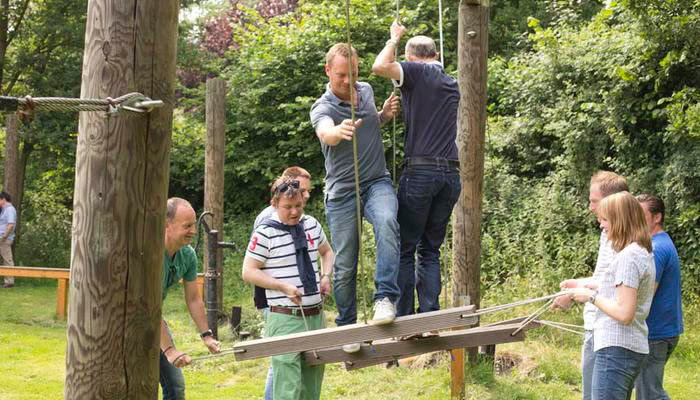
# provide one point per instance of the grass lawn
(32, 350)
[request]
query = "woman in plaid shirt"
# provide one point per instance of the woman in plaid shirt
(623, 298)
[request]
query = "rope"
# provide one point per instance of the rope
(442, 58)
(356, 167)
(502, 307)
(561, 325)
(130, 103)
(393, 136)
(532, 316)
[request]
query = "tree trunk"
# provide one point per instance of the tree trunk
(214, 169)
(121, 183)
(11, 155)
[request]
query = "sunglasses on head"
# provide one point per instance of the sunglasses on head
(283, 187)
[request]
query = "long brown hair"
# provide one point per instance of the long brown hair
(626, 221)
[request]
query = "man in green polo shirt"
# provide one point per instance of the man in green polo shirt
(180, 262)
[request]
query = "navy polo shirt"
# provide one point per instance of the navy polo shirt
(429, 99)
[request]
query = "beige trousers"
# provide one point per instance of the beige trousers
(6, 255)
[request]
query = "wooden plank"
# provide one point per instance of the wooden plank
(392, 348)
(356, 333)
(61, 298)
(35, 272)
(450, 340)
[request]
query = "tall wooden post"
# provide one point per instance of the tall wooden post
(11, 154)
(121, 183)
(471, 125)
(214, 168)
(14, 173)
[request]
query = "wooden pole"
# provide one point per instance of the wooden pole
(13, 169)
(214, 169)
(11, 154)
(471, 125)
(121, 186)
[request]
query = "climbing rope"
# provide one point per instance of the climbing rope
(361, 270)
(393, 136)
(562, 326)
(442, 58)
(131, 103)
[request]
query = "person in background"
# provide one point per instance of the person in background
(665, 320)
(8, 221)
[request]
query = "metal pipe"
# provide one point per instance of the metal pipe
(211, 276)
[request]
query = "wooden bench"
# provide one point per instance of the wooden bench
(63, 276)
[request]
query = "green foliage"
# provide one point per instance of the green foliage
(46, 231)
(595, 97)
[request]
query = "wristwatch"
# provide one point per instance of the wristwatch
(592, 298)
(206, 333)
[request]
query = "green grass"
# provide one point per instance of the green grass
(32, 347)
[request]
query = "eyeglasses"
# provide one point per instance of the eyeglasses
(283, 187)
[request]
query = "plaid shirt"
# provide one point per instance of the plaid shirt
(634, 268)
(605, 257)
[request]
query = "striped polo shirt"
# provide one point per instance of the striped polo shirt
(275, 248)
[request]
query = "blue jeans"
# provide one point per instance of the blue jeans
(650, 382)
(614, 372)
(379, 206)
(587, 362)
(426, 198)
(172, 381)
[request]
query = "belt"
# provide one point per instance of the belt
(296, 311)
(431, 162)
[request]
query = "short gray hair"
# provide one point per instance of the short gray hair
(173, 204)
(422, 47)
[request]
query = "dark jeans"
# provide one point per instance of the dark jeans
(172, 381)
(379, 205)
(426, 198)
(614, 372)
(650, 382)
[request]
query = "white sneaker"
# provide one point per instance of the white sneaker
(384, 312)
(351, 348)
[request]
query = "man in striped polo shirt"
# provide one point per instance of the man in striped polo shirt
(282, 257)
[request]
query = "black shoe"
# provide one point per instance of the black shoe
(8, 285)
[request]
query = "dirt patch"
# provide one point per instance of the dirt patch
(506, 362)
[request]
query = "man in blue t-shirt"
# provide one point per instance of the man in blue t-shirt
(665, 320)
(180, 262)
(8, 221)
(430, 182)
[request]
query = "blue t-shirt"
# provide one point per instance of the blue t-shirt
(665, 318)
(8, 216)
(430, 100)
(340, 172)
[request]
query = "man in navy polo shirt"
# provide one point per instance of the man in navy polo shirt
(430, 183)
(665, 320)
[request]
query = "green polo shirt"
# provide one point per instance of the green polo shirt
(182, 266)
